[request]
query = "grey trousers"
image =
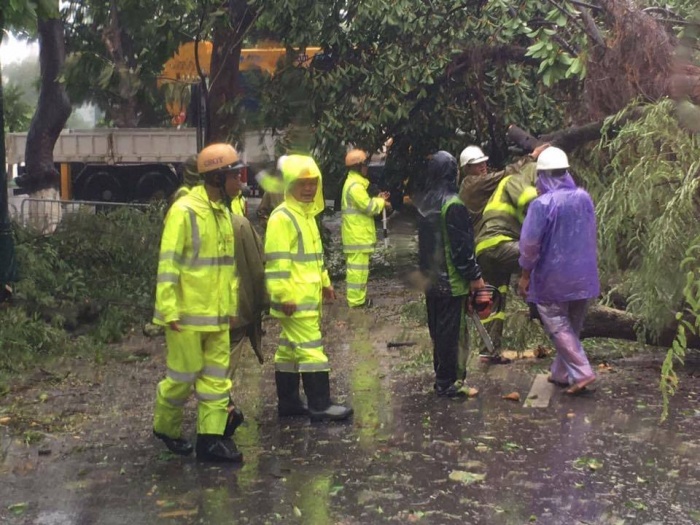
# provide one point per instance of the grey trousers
(563, 323)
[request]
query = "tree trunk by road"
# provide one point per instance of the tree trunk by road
(125, 113)
(602, 321)
(53, 110)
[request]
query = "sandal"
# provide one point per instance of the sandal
(580, 387)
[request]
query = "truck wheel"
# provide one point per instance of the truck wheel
(154, 186)
(102, 186)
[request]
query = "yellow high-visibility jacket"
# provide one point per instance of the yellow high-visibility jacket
(294, 267)
(505, 211)
(238, 205)
(358, 229)
(197, 282)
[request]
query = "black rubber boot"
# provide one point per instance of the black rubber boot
(217, 449)
(290, 403)
(235, 418)
(178, 446)
(318, 392)
(449, 389)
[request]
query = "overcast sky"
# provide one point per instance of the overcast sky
(13, 50)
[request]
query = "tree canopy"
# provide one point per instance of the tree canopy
(116, 52)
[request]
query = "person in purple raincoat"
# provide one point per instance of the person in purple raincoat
(558, 255)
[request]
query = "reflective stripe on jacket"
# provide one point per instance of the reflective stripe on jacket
(476, 190)
(358, 229)
(197, 285)
(505, 211)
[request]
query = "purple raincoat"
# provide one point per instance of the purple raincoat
(558, 243)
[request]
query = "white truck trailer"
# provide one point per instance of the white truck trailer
(127, 165)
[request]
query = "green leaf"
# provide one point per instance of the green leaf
(105, 75)
(636, 505)
(509, 446)
(587, 463)
(335, 490)
(18, 508)
(534, 48)
(466, 478)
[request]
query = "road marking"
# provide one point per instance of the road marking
(540, 393)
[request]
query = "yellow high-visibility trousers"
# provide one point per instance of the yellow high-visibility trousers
(300, 347)
(357, 276)
(198, 360)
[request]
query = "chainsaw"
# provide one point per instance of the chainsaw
(479, 308)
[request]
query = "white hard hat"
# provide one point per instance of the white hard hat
(552, 159)
(471, 155)
(280, 162)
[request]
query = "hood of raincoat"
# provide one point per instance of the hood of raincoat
(546, 182)
(438, 183)
(294, 168)
(199, 202)
(190, 175)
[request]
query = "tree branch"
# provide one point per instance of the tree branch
(568, 15)
(586, 5)
(591, 28)
(569, 139)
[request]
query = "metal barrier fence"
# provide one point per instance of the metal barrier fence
(44, 215)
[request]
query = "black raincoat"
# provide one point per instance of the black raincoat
(433, 190)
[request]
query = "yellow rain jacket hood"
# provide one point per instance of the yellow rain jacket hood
(297, 167)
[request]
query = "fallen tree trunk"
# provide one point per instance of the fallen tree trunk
(569, 139)
(602, 321)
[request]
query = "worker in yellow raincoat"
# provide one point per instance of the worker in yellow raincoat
(297, 282)
(196, 302)
(358, 228)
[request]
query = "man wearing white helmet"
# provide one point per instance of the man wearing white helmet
(476, 185)
(502, 200)
(558, 255)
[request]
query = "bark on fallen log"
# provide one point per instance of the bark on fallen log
(602, 321)
(569, 139)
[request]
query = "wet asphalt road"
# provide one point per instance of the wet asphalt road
(406, 457)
